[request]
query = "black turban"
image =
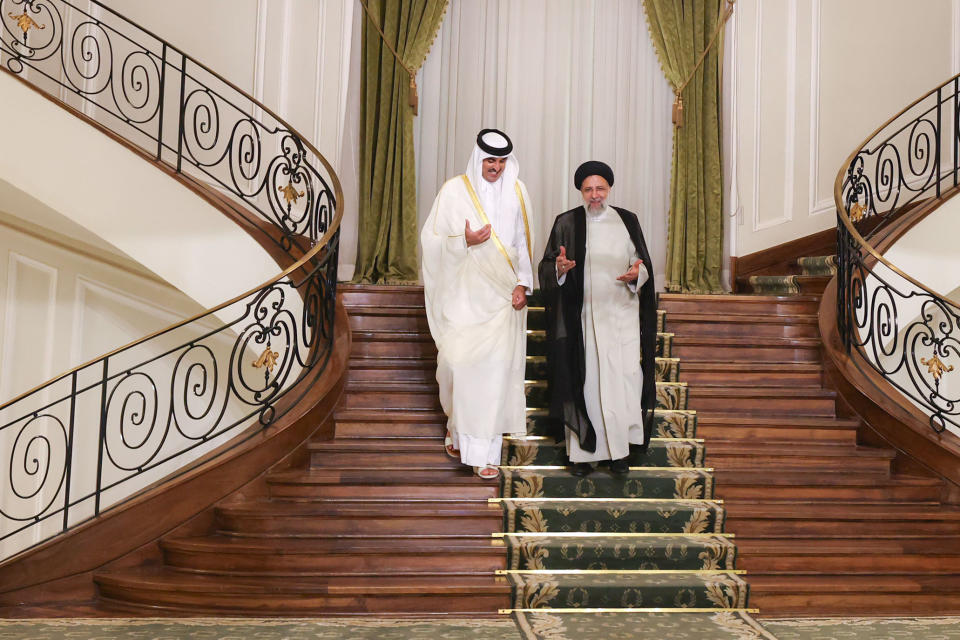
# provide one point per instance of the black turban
(488, 147)
(592, 168)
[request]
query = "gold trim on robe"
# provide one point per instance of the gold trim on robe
(485, 220)
(526, 225)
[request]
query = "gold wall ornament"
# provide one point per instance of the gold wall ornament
(290, 193)
(857, 212)
(936, 367)
(267, 359)
(25, 22)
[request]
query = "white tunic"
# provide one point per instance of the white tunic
(611, 338)
(480, 337)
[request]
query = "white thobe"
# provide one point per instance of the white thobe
(611, 338)
(480, 337)
(509, 227)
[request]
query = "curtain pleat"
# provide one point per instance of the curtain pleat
(387, 237)
(681, 30)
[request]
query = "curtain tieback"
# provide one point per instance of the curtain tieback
(678, 92)
(413, 99)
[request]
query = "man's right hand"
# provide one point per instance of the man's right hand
(564, 265)
(479, 236)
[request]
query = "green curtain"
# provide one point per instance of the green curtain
(387, 244)
(681, 30)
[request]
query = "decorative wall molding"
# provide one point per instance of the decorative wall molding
(73, 276)
(733, 142)
(286, 38)
(318, 81)
(56, 239)
(955, 38)
(827, 204)
(757, 121)
(816, 207)
(344, 46)
(260, 55)
(790, 138)
(85, 285)
(8, 367)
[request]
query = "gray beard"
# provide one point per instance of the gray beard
(596, 209)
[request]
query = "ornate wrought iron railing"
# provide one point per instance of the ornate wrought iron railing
(93, 437)
(905, 331)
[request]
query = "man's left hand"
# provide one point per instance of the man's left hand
(519, 297)
(632, 273)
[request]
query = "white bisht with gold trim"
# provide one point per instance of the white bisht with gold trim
(480, 337)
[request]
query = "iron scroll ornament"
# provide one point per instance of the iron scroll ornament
(902, 330)
(88, 440)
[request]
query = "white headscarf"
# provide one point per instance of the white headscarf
(498, 199)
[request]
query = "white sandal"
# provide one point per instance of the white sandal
(448, 446)
(488, 472)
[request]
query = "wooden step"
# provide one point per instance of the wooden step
(801, 283)
(726, 349)
(359, 295)
(393, 344)
(392, 386)
(331, 517)
(392, 370)
(418, 395)
(757, 401)
(839, 519)
(743, 324)
(757, 374)
(380, 452)
(719, 426)
(365, 423)
(866, 555)
(324, 484)
(394, 555)
(732, 454)
(741, 484)
(844, 594)
(813, 285)
(168, 589)
(744, 304)
(378, 318)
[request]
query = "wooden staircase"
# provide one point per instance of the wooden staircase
(376, 520)
(824, 524)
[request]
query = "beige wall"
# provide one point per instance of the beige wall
(64, 302)
(807, 80)
(290, 54)
(102, 188)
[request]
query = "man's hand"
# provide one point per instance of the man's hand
(632, 273)
(564, 265)
(519, 297)
(479, 236)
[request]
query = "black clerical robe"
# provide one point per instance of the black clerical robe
(565, 350)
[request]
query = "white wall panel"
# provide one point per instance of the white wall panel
(61, 307)
(822, 75)
(29, 312)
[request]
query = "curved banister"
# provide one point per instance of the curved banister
(144, 411)
(904, 330)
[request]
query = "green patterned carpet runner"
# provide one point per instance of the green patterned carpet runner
(645, 551)
(790, 285)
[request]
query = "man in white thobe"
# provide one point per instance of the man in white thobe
(477, 273)
(597, 328)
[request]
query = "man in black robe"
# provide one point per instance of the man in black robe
(599, 389)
